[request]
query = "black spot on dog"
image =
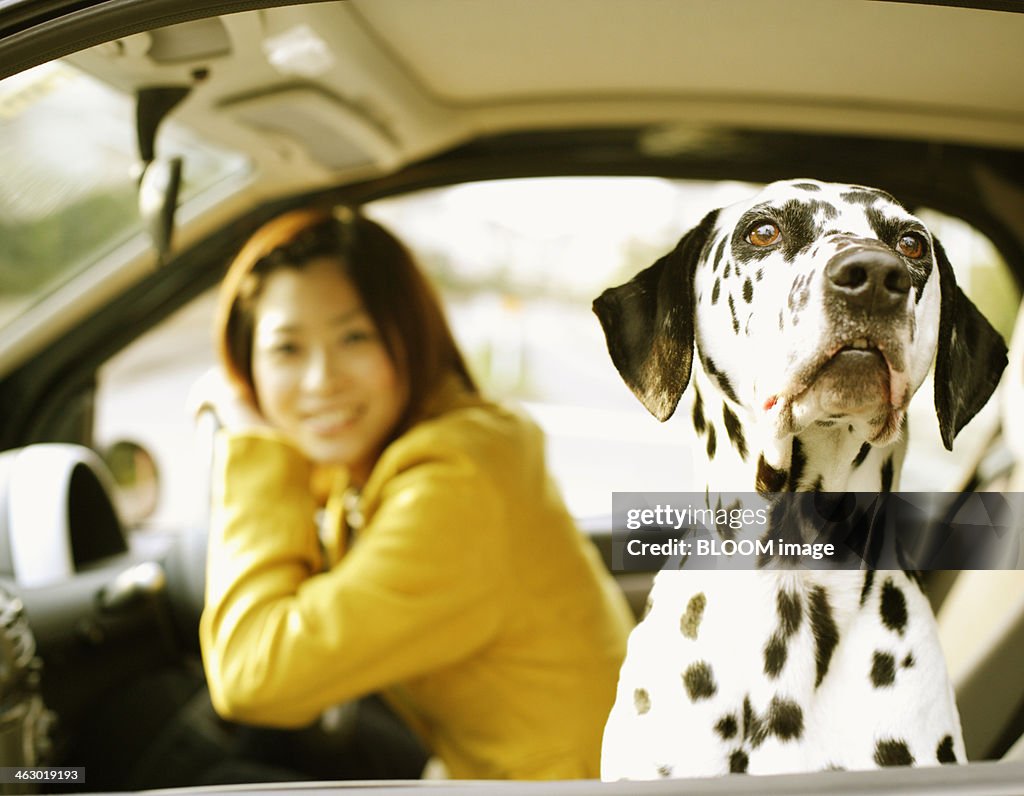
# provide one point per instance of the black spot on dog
(665, 771)
(727, 727)
(719, 252)
(699, 423)
(890, 752)
(738, 762)
(722, 527)
(826, 634)
(797, 462)
(799, 293)
(754, 728)
(799, 220)
(724, 384)
(715, 290)
(781, 324)
(886, 228)
(862, 454)
(790, 612)
(759, 275)
(883, 670)
(689, 624)
(909, 661)
(860, 195)
(728, 269)
(768, 478)
(641, 701)
(775, 655)
(785, 719)
(945, 753)
(869, 579)
(893, 607)
(919, 273)
(734, 429)
(807, 186)
(887, 475)
(748, 290)
(735, 319)
(699, 681)
(712, 442)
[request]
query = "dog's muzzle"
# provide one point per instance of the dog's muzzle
(859, 368)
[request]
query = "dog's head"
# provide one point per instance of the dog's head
(810, 302)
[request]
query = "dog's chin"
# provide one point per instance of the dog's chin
(855, 386)
(855, 382)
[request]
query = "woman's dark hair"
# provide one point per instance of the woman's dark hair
(402, 304)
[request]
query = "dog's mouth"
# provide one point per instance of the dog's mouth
(854, 379)
(845, 361)
(859, 355)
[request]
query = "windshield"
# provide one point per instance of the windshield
(69, 166)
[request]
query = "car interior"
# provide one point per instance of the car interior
(530, 157)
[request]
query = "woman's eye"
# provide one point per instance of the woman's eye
(354, 336)
(764, 233)
(285, 349)
(911, 245)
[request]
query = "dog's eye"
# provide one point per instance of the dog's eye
(764, 233)
(911, 245)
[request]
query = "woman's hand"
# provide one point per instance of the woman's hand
(212, 392)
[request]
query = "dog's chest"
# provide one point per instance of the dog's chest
(767, 672)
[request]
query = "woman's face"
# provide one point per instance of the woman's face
(321, 371)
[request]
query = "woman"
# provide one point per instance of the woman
(447, 573)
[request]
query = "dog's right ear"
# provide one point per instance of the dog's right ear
(970, 359)
(648, 324)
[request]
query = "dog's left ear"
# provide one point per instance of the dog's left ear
(648, 324)
(970, 359)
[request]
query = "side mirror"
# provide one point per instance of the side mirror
(136, 478)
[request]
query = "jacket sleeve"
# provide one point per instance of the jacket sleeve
(282, 642)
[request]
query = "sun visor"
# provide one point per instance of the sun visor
(332, 132)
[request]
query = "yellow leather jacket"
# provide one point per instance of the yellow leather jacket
(469, 597)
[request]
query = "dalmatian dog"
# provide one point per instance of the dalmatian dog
(815, 311)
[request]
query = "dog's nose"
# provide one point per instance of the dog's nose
(869, 278)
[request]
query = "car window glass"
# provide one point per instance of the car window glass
(69, 166)
(518, 263)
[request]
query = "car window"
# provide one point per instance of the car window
(69, 167)
(518, 263)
